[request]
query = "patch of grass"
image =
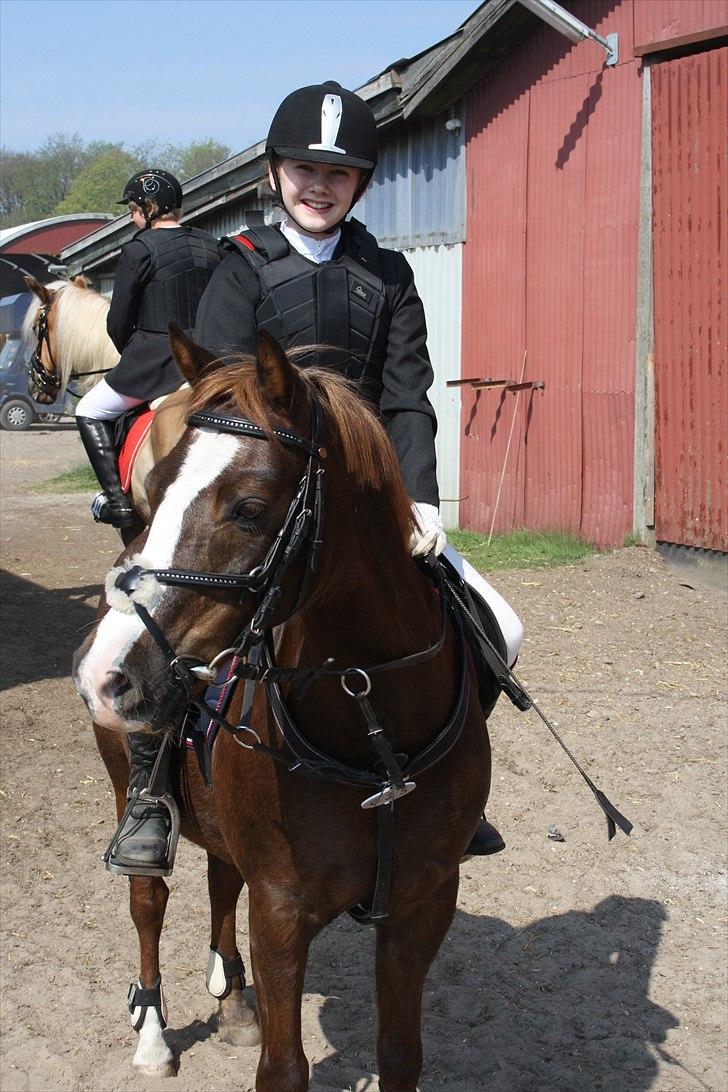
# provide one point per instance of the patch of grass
(633, 539)
(520, 549)
(80, 479)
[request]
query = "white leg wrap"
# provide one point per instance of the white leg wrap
(509, 622)
(152, 1053)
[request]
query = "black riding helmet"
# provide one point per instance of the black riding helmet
(324, 123)
(155, 185)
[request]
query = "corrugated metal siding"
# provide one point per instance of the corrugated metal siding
(690, 198)
(438, 276)
(227, 219)
(417, 195)
(553, 148)
(661, 20)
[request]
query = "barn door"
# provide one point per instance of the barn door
(690, 227)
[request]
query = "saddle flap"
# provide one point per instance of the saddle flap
(131, 444)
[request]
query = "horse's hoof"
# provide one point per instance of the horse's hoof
(157, 1071)
(245, 1035)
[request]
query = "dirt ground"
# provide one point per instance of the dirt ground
(570, 965)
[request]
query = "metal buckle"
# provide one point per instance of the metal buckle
(388, 794)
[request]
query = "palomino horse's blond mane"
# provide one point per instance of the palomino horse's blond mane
(78, 320)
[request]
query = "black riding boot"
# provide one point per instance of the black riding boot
(112, 506)
(142, 843)
(485, 841)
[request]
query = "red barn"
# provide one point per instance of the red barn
(595, 242)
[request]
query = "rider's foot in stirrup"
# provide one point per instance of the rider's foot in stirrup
(142, 843)
(485, 841)
(105, 510)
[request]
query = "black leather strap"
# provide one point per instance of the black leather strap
(140, 998)
(240, 426)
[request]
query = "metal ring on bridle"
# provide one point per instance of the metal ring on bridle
(367, 683)
(247, 746)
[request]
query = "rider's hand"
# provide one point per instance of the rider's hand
(429, 534)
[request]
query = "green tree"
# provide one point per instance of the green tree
(99, 185)
(199, 156)
(33, 183)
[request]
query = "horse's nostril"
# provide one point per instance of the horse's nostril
(115, 684)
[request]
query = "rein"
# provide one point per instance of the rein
(49, 383)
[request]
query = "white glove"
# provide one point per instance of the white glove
(429, 534)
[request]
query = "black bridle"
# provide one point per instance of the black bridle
(254, 657)
(48, 383)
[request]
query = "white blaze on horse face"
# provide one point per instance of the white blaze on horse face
(208, 456)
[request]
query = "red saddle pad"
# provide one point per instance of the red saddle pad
(131, 446)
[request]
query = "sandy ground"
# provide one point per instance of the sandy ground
(572, 965)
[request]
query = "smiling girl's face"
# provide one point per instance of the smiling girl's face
(317, 195)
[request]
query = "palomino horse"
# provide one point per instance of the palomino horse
(373, 693)
(69, 329)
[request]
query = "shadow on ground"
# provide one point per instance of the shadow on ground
(562, 1004)
(41, 628)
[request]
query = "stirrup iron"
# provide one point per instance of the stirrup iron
(166, 800)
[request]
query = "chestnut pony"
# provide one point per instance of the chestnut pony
(304, 845)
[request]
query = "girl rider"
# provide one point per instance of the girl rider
(320, 279)
(161, 276)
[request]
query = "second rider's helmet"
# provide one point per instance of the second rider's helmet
(155, 185)
(325, 123)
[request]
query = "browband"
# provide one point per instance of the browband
(240, 426)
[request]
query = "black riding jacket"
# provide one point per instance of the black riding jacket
(160, 278)
(363, 302)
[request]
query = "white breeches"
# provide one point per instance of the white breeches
(508, 620)
(103, 403)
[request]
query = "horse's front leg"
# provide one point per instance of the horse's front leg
(236, 1018)
(406, 946)
(281, 930)
(148, 900)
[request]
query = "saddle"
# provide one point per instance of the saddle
(131, 430)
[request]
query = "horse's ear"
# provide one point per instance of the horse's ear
(45, 295)
(191, 357)
(80, 281)
(275, 371)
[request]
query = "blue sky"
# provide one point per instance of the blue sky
(179, 70)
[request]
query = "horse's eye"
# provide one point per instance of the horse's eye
(247, 510)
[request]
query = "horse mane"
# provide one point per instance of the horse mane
(79, 327)
(353, 429)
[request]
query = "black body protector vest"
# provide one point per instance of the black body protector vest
(182, 262)
(341, 305)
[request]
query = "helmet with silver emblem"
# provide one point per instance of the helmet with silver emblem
(153, 186)
(325, 123)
